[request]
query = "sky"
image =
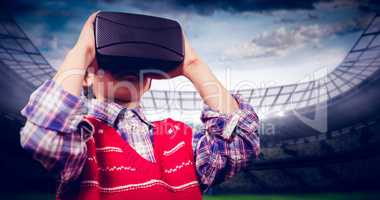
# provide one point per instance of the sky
(247, 43)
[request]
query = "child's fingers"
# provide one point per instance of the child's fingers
(92, 17)
(90, 21)
(87, 34)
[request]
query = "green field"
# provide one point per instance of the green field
(323, 196)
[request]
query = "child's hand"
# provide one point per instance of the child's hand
(191, 58)
(205, 82)
(85, 45)
(72, 71)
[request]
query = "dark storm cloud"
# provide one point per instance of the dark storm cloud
(39, 8)
(249, 5)
(22, 6)
(370, 6)
(207, 7)
(204, 7)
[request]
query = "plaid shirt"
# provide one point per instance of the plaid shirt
(222, 146)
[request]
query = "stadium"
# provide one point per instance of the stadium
(319, 137)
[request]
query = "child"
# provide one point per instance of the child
(105, 148)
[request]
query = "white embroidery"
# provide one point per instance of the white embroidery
(92, 158)
(109, 149)
(153, 182)
(178, 167)
(174, 149)
(117, 168)
(90, 182)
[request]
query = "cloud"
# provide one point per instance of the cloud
(17, 5)
(53, 43)
(208, 7)
(203, 7)
(43, 8)
(283, 40)
(370, 6)
(61, 30)
(362, 5)
(302, 17)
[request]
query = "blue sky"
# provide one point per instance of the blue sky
(250, 44)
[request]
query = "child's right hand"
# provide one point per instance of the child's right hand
(85, 45)
(72, 71)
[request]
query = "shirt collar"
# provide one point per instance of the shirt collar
(109, 112)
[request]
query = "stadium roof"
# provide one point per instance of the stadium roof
(18, 54)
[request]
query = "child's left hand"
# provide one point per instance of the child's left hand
(213, 93)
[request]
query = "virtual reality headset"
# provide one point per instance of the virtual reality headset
(130, 43)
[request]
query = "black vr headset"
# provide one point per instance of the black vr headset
(131, 43)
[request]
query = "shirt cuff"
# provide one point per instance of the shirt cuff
(224, 125)
(51, 107)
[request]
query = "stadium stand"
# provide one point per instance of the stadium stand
(344, 158)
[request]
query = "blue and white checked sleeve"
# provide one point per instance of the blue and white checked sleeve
(50, 132)
(225, 143)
